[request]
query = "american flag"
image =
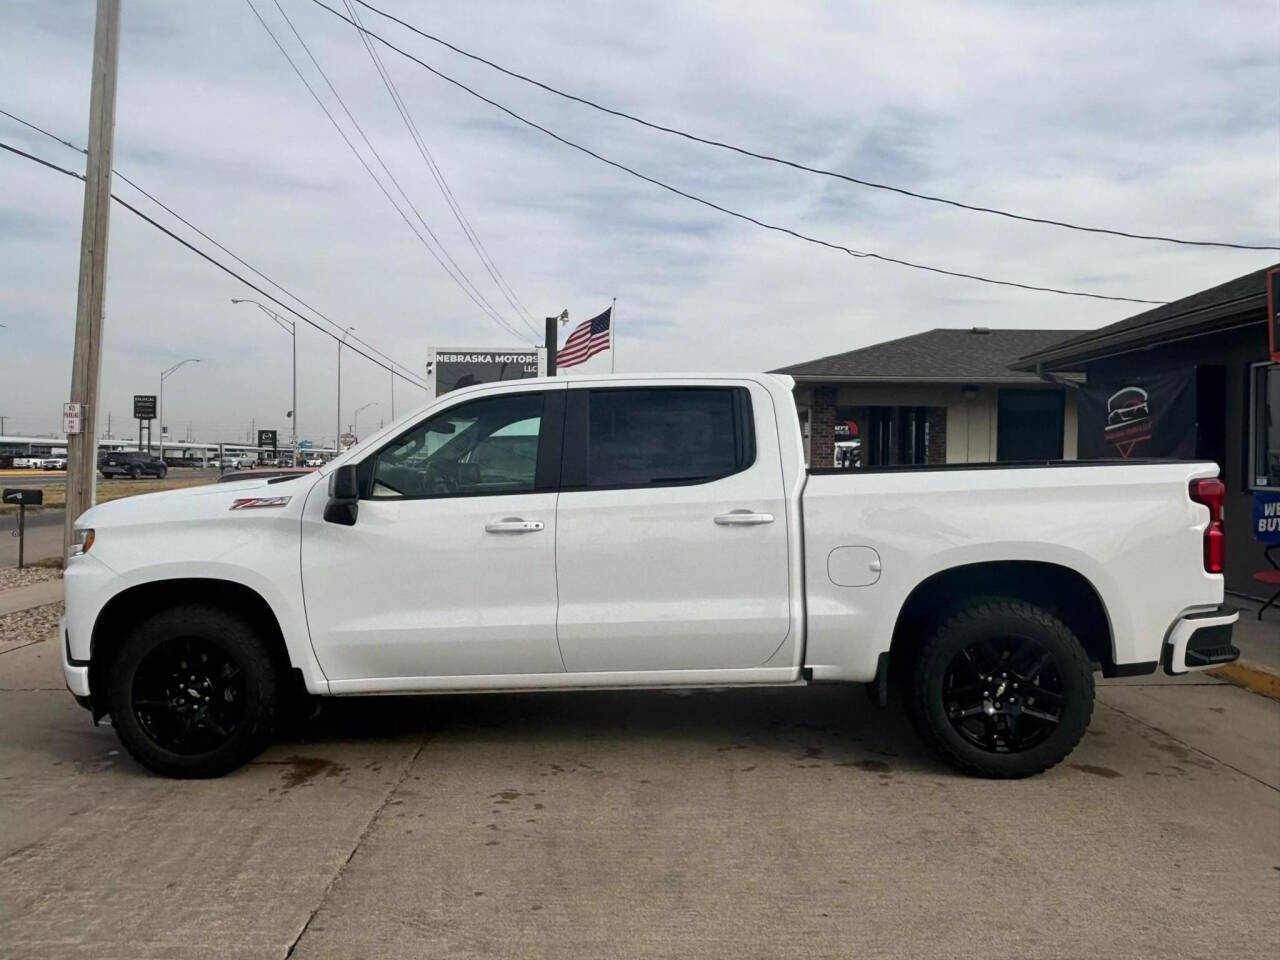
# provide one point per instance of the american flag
(588, 338)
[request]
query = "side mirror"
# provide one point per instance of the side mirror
(344, 496)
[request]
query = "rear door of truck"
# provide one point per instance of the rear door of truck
(671, 542)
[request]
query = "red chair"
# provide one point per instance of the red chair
(1270, 577)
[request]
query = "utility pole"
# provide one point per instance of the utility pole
(337, 437)
(2, 420)
(551, 340)
(86, 363)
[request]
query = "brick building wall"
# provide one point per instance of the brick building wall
(822, 427)
(937, 452)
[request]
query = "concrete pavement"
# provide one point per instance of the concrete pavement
(749, 823)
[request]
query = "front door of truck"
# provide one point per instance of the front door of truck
(449, 570)
(671, 541)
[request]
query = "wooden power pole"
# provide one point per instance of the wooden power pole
(86, 363)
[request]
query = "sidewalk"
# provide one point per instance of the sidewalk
(1258, 668)
(17, 599)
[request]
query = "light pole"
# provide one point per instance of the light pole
(338, 423)
(355, 426)
(164, 375)
(290, 327)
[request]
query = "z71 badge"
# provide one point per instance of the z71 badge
(259, 503)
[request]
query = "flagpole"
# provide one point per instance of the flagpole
(613, 335)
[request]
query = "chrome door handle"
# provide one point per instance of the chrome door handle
(743, 518)
(513, 525)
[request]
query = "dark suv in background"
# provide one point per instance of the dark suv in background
(133, 465)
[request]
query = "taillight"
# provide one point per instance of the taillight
(1210, 492)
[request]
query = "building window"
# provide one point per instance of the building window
(1264, 415)
(1029, 425)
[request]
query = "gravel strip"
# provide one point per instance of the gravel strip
(38, 623)
(13, 577)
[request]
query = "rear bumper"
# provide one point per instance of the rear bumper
(1201, 640)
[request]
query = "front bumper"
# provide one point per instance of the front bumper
(1199, 641)
(75, 672)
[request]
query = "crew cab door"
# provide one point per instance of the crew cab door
(449, 569)
(671, 541)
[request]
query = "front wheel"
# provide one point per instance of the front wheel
(1002, 688)
(193, 692)
(162, 472)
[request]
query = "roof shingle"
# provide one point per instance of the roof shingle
(941, 355)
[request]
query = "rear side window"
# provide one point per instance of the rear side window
(667, 435)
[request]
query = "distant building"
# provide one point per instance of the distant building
(943, 396)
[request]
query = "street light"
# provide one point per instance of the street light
(291, 328)
(338, 423)
(164, 375)
(355, 426)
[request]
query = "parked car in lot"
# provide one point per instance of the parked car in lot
(642, 531)
(26, 463)
(314, 462)
(239, 461)
(135, 465)
(53, 463)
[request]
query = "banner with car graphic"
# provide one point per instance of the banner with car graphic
(1152, 415)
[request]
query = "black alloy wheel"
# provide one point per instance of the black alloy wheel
(1003, 694)
(193, 691)
(189, 695)
(1001, 688)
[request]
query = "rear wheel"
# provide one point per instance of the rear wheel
(135, 473)
(1002, 689)
(193, 692)
(162, 472)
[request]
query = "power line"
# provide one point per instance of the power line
(487, 306)
(473, 294)
(746, 152)
(722, 209)
(200, 253)
(231, 253)
(442, 183)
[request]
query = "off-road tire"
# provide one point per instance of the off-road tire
(241, 643)
(987, 618)
(135, 473)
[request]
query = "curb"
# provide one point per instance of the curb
(1248, 677)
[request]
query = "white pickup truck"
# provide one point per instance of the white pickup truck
(641, 531)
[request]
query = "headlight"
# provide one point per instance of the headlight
(81, 541)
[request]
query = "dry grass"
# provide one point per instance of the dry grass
(55, 496)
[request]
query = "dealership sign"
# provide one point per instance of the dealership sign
(453, 369)
(144, 406)
(267, 438)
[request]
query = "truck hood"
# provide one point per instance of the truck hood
(196, 503)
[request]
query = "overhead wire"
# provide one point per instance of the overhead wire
(723, 209)
(463, 282)
(442, 182)
(205, 256)
(796, 165)
(231, 253)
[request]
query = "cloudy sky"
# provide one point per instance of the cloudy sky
(1157, 116)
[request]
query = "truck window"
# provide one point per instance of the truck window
(667, 435)
(487, 446)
